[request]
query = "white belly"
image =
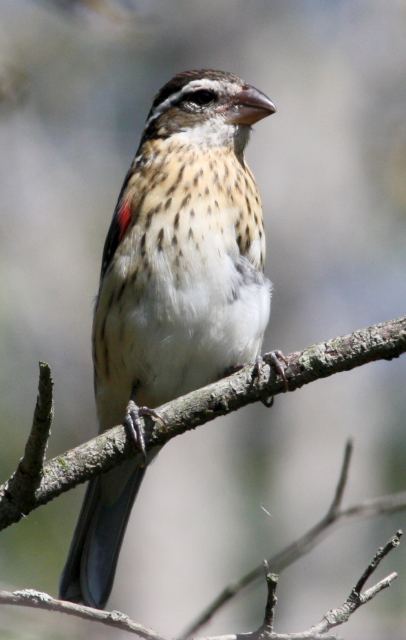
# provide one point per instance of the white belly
(180, 327)
(187, 336)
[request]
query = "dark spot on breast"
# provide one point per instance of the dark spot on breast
(248, 204)
(185, 201)
(209, 209)
(168, 204)
(176, 221)
(192, 213)
(174, 240)
(148, 219)
(177, 181)
(161, 177)
(143, 240)
(216, 204)
(146, 269)
(160, 239)
(190, 233)
(206, 191)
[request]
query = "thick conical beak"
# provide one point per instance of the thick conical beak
(249, 106)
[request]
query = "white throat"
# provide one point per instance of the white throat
(215, 132)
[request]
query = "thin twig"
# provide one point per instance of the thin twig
(118, 620)
(342, 481)
(40, 600)
(303, 545)
(22, 485)
(252, 383)
(271, 601)
(392, 543)
(356, 599)
(333, 617)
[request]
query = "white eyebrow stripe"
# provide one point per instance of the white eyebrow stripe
(203, 83)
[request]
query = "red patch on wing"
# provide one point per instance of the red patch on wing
(124, 217)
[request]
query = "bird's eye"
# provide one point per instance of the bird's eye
(202, 97)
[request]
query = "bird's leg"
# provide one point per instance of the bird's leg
(134, 425)
(278, 362)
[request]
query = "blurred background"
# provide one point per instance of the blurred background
(76, 82)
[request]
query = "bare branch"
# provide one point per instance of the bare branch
(118, 620)
(342, 481)
(333, 617)
(21, 487)
(392, 543)
(250, 384)
(40, 600)
(356, 599)
(307, 542)
(271, 601)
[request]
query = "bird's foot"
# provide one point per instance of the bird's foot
(278, 363)
(134, 425)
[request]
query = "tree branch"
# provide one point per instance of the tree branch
(39, 600)
(306, 543)
(252, 383)
(23, 484)
(118, 620)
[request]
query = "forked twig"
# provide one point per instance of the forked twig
(303, 545)
(331, 619)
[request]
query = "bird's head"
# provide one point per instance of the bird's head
(207, 107)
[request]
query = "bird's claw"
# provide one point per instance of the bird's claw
(134, 425)
(278, 362)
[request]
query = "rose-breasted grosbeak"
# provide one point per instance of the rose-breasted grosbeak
(182, 295)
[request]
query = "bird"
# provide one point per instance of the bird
(183, 298)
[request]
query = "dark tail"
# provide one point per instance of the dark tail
(89, 570)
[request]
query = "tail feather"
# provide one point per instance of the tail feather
(89, 571)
